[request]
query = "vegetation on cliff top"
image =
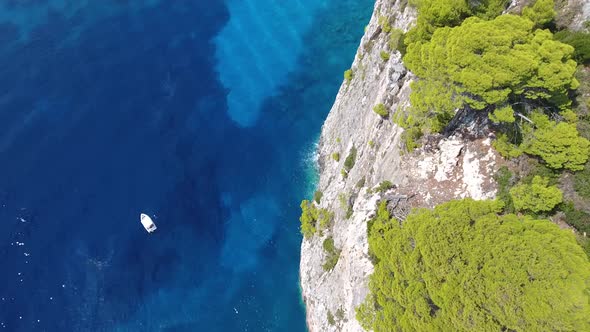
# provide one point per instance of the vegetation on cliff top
(465, 266)
(522, 75)
(474, 265)
(517, 70)
(537, 196)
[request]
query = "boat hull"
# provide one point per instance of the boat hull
(147, 223)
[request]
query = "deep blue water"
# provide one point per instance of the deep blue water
(201, 113)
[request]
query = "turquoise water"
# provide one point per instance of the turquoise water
(202, 114)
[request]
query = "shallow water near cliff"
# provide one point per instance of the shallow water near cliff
(202, 114)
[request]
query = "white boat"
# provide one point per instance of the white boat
(147, 223)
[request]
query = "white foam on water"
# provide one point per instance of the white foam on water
(311, 167)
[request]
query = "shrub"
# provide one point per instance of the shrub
(584, 243)
(349, 212)
(332, 254)
(345, 205)
(490, 8)
(340, 313)
(384, 56)
(503, 178)
(539, 169)
(368, 46)
(411, 138)
(506, 148)
(348, 76)
(433, 105)
(578, 219)
(328, 244)
(350, 159)
(382, 223)
(336, 156)
(579, 40)
(361, 182)
(503, 114)
(381, 110)
(559, 145)
(343, 200)
(395, 39)
(317, 196)
(384, 23)
(331, 320)
(582, 182)
(313, 218)
(307, 219)
(371, 144)
(537, 196)
(464, 267)
(402, 47)
(384, 186)
(344, 173)
(324, 217)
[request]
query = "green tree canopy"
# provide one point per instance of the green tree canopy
(560, 146)
(434, 14)
(537, 196)
(464, 267)
(496, 66)
(512, 61)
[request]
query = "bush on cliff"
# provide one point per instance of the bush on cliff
(381, 110)
(537, 196)
(579, 40)
(348, 76)
(578, 219)
(332, 254)
(350, 159)
(313, 218)
(465, 267)
(559, 144)
(582, 182)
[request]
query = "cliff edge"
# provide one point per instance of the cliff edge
(362, 159)
(358, 151)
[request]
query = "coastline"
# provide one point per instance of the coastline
(449, 169)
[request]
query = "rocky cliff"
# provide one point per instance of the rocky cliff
(360, 149)
(446, 168)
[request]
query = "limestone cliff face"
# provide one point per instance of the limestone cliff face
(444, 169)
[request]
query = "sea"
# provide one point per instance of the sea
(203, 114)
